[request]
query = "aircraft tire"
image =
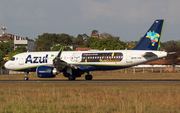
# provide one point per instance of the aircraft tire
(88, 77)
(71, 77)
(26, 78)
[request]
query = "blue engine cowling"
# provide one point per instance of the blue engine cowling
(46, 72)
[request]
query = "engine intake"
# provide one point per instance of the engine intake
(46, 72)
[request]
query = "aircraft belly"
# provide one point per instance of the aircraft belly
(94, 67)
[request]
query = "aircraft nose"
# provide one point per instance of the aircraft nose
(6, 65)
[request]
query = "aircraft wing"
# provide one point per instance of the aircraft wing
(60, 64)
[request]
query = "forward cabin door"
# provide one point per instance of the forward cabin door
(128, 57)
(21, 60)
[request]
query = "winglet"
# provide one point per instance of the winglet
(60, 52)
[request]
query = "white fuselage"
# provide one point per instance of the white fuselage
(121, 58)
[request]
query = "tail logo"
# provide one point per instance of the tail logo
(154, 37)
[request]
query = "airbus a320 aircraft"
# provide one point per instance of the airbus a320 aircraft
(75, 63)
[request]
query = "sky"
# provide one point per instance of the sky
(127, 19)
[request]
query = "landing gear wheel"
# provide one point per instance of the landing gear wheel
(71, 77)
(88, 77)
(26, 75)
(26, 78)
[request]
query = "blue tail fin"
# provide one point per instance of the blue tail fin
(151, 39)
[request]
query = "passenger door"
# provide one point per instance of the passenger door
(128, 57)
(21, 60)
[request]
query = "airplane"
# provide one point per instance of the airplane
(75, 63)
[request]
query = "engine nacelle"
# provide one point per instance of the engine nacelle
(46, 72)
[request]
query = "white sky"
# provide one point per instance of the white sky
(128, 19)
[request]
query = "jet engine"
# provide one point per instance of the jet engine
(46, 72)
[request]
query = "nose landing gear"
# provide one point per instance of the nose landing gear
(26, 76)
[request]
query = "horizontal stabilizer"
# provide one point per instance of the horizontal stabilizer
(149, 54)
(170, 53)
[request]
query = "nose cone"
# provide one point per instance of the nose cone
(6, 65)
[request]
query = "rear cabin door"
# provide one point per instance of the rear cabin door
(128, 57)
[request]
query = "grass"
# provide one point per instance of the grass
(90, 97)
(135, 97)
(103, 75)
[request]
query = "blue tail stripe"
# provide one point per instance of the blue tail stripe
(151, 39)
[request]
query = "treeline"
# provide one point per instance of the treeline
(47, 41)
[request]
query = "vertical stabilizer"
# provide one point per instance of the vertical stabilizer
(151, 39)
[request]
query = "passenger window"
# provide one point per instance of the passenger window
(13, 58)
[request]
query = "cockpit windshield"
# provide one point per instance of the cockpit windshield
(13, 58)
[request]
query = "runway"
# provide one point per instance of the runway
(93, 81)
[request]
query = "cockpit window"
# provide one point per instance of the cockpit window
(13, 58)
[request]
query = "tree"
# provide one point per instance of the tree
(90, 41)
(29, 39)
(1, 59)
(5, 47)
(65, 39)
(11, 45)
(164, 45)
(95, 32)
(105, 36)
(21, 49)
(109, 44)
(80, 36)
(45, 41)
(57, 48)
(85, 36)
(77, 41)
(173, 57)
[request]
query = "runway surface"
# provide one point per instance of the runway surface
(95, 81)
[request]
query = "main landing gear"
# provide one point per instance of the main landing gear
(26, 76)
(88, 76)
(70, 77)
(73, 77)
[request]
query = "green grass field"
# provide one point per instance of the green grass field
(102, 75)
(135, 97)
